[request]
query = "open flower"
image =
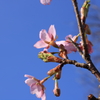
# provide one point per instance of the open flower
(67, 44)
(47, 39)
(36, 86)
(45, 2)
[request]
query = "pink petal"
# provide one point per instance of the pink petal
(44, 36)
(28, 76)
(43, 97)
(40, 44)
(66, 38)
(52, 31)
(68, 46)
(45, 2)
(60, 42)
(30, 81)
(40, 93)
(34, 88)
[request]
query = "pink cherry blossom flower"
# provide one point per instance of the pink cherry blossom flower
(46, 39)
(45, 2)
(35, 86)
(67, 44)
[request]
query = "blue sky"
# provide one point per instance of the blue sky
(20, 23)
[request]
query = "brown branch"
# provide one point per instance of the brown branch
(67, 61)
(90, 66)
(86, 56)
(76, 46)
(81, 28)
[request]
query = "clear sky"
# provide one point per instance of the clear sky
(20, 23)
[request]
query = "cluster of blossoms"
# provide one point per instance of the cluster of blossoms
(48, 38)
(65, 47)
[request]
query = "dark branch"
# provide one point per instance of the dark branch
(81, 27)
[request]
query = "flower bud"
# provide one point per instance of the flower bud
(48, 57)
(84, 10)
(55, 70)
(56, 90)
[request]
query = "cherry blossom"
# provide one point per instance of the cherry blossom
(35, 87)
(46, 39)
(45, 2)
(67, 44)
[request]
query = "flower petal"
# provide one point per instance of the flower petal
(28, 76)
(34, 89)
(43, 97)
(45, 2)
(30, 81)
(40, 93)
(40, 44)
(52, 31)
(66, 38)
(70, 48)
(60, 42)
(44, 36)
(67, 45)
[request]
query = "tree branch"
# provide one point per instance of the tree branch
(81, 28)
(86, 56)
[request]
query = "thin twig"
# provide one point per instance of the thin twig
(76, 46)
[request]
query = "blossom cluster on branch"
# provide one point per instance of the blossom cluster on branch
(65, 47)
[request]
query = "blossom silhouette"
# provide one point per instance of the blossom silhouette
(45, 2)
(67, 44)
(46, 39)
(35, 86)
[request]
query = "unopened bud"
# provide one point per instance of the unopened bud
(83, 13)
(56, 92)
(55, 70)
(48, 57)
(84, 10)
